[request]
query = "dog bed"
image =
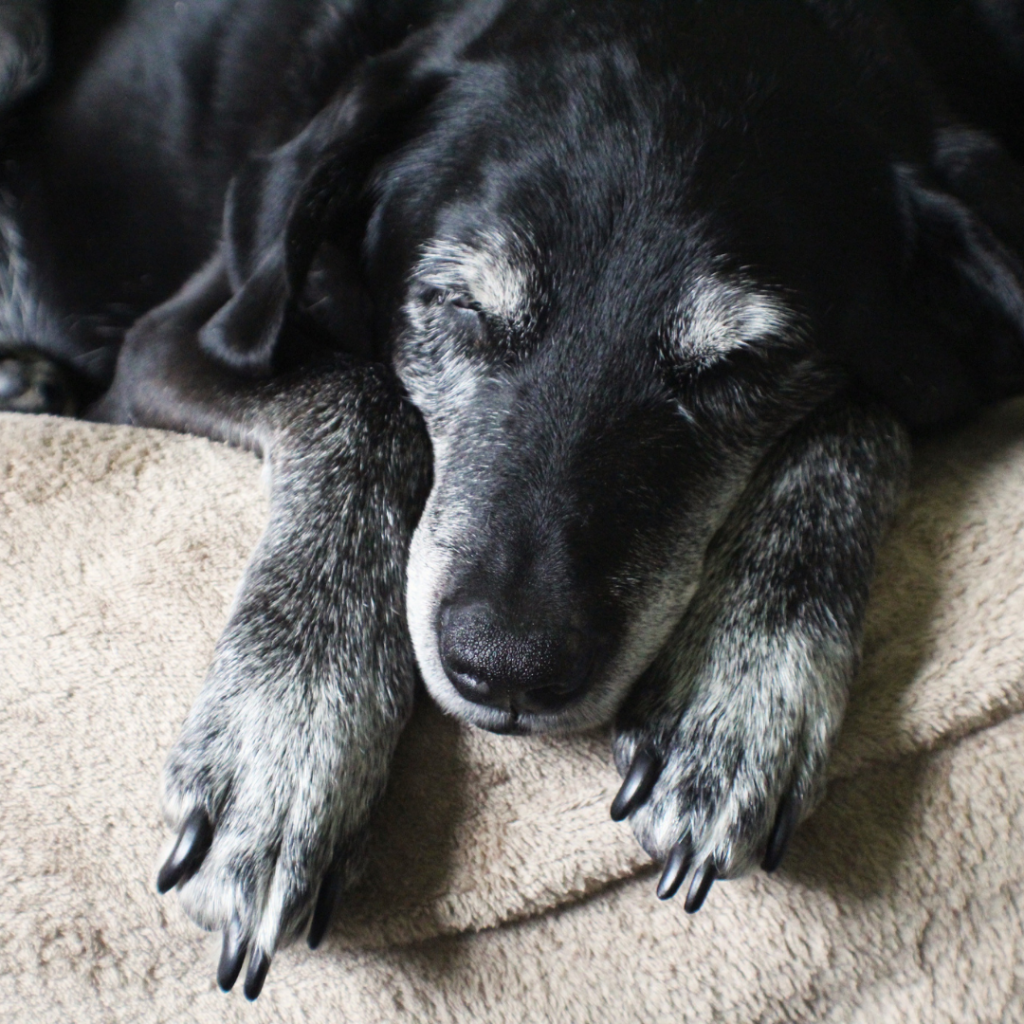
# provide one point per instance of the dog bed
(499, 889)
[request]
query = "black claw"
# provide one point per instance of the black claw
(232, 955)
(703, 878)
(259, 964)
(676, 866)
(327, 899)
(194, 840)
(786, 821)
(643, 773)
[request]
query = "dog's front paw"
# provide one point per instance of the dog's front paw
(287, 750)
(269, 788)
(725, 741)
(722, 762)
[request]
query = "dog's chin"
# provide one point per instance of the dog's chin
(511, 727)
(511, 723)
(504, 722)
(579, 716)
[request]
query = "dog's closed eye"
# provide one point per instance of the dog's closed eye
(432, 295)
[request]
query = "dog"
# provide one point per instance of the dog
(583, 343)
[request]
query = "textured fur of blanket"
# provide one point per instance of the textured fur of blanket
(502, 891)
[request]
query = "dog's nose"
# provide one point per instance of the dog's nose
(529, 669)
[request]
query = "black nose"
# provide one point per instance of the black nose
(512, 667)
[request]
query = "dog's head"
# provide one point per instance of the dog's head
(612, 263)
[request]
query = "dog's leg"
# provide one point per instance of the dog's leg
(725, 742)
(288, 747)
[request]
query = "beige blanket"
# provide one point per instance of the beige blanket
(500, 890)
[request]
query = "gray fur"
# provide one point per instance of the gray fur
(293, 667)
(455, 390)
(744, 703)
(24, 47)
(24, 317)
(289, 744)
(601, 383)
(29, 381)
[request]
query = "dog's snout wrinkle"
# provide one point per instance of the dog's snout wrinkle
(511, 666)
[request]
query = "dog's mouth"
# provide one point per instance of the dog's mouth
(540, 710)
(510, 727)
(516, 723)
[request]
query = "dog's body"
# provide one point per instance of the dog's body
(666, 282)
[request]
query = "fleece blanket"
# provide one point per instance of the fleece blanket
(499, 889)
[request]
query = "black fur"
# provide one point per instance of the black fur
(663, 283)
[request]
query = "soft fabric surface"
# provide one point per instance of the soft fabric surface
(500, 890)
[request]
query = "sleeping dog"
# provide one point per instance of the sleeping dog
(581, 342)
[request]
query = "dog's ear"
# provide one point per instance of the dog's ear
(959, 337)
(281, 207)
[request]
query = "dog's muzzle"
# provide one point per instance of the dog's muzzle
(513, 666)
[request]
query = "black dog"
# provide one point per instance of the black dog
(666, 281)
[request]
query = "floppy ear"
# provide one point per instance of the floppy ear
(959, 339)
(281, 207)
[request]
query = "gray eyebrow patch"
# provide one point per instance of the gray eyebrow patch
(492, 270)
(720, 315)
